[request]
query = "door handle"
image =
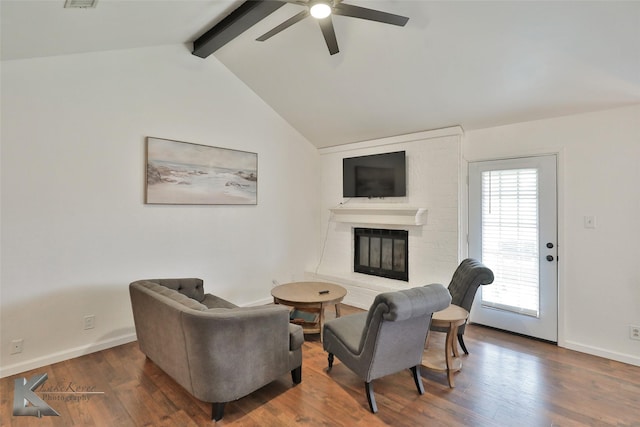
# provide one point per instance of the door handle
(549, 258)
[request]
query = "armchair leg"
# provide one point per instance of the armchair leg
(417, 378)
(461, 341)
(217, 411)
(370, 397)
(296, 375)
(330, 359)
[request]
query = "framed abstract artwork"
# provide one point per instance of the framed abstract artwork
(191, 174)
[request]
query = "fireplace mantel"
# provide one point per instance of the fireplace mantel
(392, 215)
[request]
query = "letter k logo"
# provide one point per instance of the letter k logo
(23, 394)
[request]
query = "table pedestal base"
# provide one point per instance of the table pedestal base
(310, 297)
(448, 361)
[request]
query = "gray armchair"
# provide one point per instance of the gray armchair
(388, 338)
(466, 280)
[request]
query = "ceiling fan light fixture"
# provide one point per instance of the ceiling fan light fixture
(320, 10)
(80, 4)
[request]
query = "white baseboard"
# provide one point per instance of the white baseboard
(65, 355)
(359, 297)
(601, 352)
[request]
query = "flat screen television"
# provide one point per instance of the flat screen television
(377, 175)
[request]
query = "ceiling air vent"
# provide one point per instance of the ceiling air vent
(80, 4)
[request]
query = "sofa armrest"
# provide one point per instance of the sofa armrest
(232, 352)
(296, 337)
(212, 301)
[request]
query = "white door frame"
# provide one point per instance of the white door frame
(498, 153)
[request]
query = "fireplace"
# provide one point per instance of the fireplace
(381, 252)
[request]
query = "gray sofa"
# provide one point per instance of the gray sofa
(217, 351)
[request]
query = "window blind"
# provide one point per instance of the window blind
(510, 239)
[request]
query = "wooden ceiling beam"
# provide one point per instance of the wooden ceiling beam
(244, 17)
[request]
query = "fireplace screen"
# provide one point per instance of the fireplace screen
(381, 252)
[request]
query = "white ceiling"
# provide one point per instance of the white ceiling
(475, 64)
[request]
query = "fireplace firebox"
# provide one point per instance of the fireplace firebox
(380, 252)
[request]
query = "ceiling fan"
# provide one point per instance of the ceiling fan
(322, 11)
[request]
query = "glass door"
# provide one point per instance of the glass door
(513, 230)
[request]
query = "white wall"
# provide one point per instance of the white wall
(75, 229)
(599, 175)
(433, 160)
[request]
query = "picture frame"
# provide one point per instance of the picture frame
(185, 173)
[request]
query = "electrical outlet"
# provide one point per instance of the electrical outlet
(634, 332)
(589, 221)
(89, 321)
(16, 346)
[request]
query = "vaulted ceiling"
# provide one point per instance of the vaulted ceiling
(470, 63)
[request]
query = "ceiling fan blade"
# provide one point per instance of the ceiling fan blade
(326, 25)
(369, 14)
(286, 24)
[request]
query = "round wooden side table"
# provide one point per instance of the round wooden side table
(451, 318)
(310, 297)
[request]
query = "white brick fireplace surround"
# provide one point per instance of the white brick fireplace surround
(429, 212)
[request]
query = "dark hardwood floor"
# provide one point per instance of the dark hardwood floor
(507, 380)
